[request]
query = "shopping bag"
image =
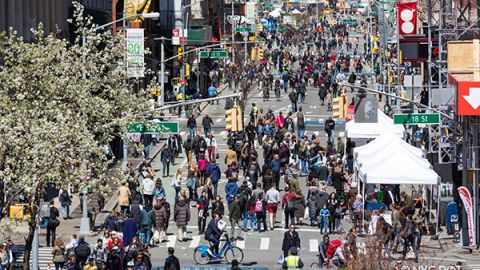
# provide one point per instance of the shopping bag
(280, 259)
(307, 213)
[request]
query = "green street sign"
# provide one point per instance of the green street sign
(214, 54)
(357, 7)
(416, 118)
(243, 29)
(349, 21)
(267, 5)
(153, 128)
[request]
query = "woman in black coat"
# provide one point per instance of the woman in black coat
(290, 239)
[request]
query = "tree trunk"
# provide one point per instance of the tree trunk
(28, 242)
(32, 225)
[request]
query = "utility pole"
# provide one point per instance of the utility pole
(162, 73)
(182, 40)
(233, 32)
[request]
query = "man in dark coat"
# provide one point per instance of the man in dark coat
(290, 239)
(171, 262)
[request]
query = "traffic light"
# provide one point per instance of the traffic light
(253, 53)
(260, 27)
(179, 52)
(339, 107)
(260, 54)
(239, 122)
(231, 119)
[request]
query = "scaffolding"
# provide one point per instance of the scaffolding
(447, 20)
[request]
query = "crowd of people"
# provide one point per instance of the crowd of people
(273, 168)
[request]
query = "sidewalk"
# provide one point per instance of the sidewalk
(72, 226)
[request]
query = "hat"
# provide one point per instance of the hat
(130, 264)
(359, 196)
(293, 250)
(100, 240)
(90, 258)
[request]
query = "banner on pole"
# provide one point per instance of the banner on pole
(251, 11)
(135, 53)
(468, 206)
(407, 18)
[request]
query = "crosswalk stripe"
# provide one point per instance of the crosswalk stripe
(172, 239)
(240, 244)
(313, 245)
(218, 120)
(182, 133)
(264, 243)
(195, 241)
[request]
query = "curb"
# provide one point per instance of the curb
(113, 202)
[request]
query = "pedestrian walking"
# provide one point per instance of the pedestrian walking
(171, 262)
(52, 222)
(290, 239)
(161, 219)
(65, 199)
(58, 253)
(273, 199)
(165, 157)
(181, 216)
(235, 218)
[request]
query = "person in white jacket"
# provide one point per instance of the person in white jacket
(148, 188)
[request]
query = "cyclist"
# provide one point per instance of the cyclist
(322, 249)
(334, 252)
(213, 234)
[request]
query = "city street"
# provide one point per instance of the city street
(93, 110)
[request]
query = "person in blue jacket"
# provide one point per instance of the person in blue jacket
(213, 171)
(231, 189)
(276, 167)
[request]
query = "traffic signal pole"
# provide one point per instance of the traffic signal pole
(397, 97)
(163, 61)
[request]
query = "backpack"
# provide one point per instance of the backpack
(64, 197)
(83, 250)
(291, 205)
(259, 206)
(69, 253)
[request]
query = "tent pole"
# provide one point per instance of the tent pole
(363, 206)
(437, 223)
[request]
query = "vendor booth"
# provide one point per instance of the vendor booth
(390, 160)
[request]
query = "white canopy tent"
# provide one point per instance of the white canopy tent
(296, 11)
(384, 147)
(356, 130)
(276, 13)
(390, 160)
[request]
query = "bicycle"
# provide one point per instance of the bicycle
(203, 255)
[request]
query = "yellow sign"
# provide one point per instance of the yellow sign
(133, 7)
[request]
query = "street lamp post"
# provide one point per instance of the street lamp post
(85, 222)
(184, 25)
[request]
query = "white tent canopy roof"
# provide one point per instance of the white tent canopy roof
(373, 130)
(390, 160)
(386, 145)
(296, 11)
(392, 171)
